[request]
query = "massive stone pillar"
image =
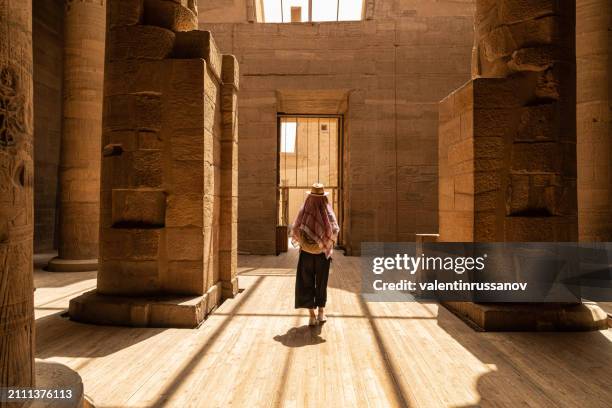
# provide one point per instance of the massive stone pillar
(513, 126)
(594, 66)
(16, 191)
(507, 148)
(162, 188)
(79, 175)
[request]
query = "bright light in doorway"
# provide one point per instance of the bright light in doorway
(279, 11)
(288, 137)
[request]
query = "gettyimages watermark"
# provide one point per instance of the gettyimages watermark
(414, 264)
(487, 272)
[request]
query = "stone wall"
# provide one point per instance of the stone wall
(393, 69)
(594, 68)
(48, 64)
(228, 11)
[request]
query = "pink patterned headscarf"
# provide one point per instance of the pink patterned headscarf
(317, 220)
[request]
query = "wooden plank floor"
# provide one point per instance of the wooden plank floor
(256, 351)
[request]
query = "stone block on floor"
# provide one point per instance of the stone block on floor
(530, 317)
(150, 311)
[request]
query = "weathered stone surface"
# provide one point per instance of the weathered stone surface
(128, 277)
(523, 135)
(538, 123)
(138, 207)
(228, 157)
(520, 129)
(231, 71)
(184, 210)
(198, 44)
(536, 157)
(16, 195)
(130, 244)
(79, 169)
(594, 143)
(532, 59)
(513, 11)
(537, 195)
(456, 171)
(168, 311)
(503, 317)
(161, 176)
(521, 35)
(171, 14)
(134, 111)
(140, 42)
(498, 43)
(48, 49)
(127, 12)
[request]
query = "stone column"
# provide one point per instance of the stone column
(509, 172)
(79, 174)
(507, 148)
(594, 67)
(228, 224)
(161, 189)
(16, 193)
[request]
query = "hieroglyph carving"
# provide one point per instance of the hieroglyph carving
(12, 103)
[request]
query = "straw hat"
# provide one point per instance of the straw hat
(318, 190)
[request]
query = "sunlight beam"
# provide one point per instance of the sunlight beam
(279, 11)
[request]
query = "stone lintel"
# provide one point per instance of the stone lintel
(152, 311)
(499, 317)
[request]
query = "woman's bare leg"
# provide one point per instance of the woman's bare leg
(322, 317)
(313, 318)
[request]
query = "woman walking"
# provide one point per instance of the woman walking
(315, 231)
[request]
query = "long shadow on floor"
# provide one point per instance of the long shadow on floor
(537, 369)
(57, 336)
(169, 389)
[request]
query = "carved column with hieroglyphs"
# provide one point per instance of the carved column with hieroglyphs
(16, 195)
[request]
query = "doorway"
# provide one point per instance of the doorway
(309, 151)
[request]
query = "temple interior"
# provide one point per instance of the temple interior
(154, 154)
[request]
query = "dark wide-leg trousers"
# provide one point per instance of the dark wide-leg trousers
(311, 280)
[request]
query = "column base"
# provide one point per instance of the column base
(54, 376)
(530, 317)
(58, 264)
(154, 311)
(229, 289)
